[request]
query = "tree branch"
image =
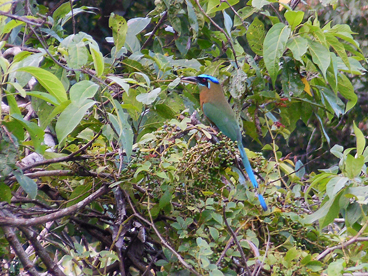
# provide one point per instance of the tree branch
(345, 244)
(7, 221)
(11, 237)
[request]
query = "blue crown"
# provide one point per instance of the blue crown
(213, 79)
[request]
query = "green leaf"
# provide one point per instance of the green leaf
(292, 254)
(28, 184)
(44, 96)
(121, 82)
(136, 25)
(228, 23)
(61, 11)
(122, 128)
(323, 129)
(164, 111)
(353, 166)
(256, 35)
(336, 268)
(192, 18)
(346, 89)
(298, 46)
(360, 140)
(79, 193)
(70, 118)
(98, 60)
(334, 101)
(5, 193)
(273, 47)
(57, 110)
(290, 78)
(214, 233)
(49, 81)
(119, 29)
(165, 199)
(338, 47)
(12, 24)
(294, 18)
(78, 55)
(13, 105)
(244, 13)
(260, 3)
(81, 91)
(148, 98)
(217, 5)
(320, 56)
(36, 133)
(335, 185)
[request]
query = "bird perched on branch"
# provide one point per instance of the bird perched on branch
(216, 108)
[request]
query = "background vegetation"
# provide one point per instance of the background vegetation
(107, 166)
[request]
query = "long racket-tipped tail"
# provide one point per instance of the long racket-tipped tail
(250, 173)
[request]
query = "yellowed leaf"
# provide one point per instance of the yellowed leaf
(307, 87)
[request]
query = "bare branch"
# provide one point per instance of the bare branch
(7, 221)
(345, 244)
(18, 248)
(162, 19)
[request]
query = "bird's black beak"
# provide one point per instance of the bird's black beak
(192, 80)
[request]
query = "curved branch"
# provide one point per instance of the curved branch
(345, 244)
(7, 221)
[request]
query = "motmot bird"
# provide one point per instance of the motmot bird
(217, 109)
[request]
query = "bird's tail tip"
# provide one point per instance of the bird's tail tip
(263, 202)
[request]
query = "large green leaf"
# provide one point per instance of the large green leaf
(346, 89)
(36, 133)
(273, 47)
(338, 47)
(320, 56)
(256, 35)
(354, 166)
(192, 17)
(217, 5)
(70, 118)
(98, 60)
(244, 13)
(28, 184)
(294, 18)
(119, 29)
(360, 140)
(298, 46)
(290, 78)
(81, 91)
(148, 98)
(49, 81)
(122, 128)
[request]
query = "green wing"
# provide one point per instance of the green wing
(223, 118)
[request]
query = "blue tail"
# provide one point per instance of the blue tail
(250, 173)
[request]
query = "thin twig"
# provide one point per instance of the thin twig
(24, 19)
(62, 159)
(163, 242)
(221, 30)
(162, 19)
(240, 249)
